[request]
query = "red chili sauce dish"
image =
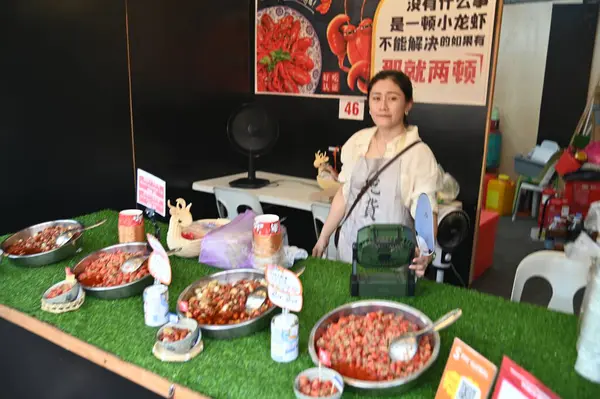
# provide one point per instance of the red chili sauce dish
(316, 388)
(220, 303)
(57, 291)
(358, 346)
(40, 242)
(172, 334)
(105, 270)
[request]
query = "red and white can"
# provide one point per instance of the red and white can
(266, 225)
(267, 238)
(131, 226)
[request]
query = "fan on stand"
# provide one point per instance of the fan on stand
(252, 132)
(453, 228)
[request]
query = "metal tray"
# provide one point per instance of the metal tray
(119, 291)
(44, 258)
(230, 331)
(398, 385)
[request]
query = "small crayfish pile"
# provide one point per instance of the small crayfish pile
(282, 62)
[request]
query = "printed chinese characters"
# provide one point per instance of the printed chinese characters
(373, 200)
(463, 71)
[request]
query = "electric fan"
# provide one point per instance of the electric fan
(453, 228)
(252, 132)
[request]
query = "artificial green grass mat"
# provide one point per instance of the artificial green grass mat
(541, 341)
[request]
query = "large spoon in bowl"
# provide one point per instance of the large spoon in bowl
(404, 347)
(135, 262)
(65, 237)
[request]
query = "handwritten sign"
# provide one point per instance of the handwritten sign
(352, 108)
(151, 192)
(445, 47)
(285, 288)
(516, 383)
(467, 374)
(159, 264)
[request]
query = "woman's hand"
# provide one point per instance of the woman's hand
(320, 248)
(420, 263)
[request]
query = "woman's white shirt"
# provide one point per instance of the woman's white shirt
(419, 171)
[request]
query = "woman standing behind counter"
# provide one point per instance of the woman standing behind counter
(392, 198)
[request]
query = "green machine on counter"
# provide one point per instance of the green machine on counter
(385, 251)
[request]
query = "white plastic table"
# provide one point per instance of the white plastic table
(289, 191)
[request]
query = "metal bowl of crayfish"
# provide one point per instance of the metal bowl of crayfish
(99, 276)
(35, 246)
(380, 377)
(226, 326)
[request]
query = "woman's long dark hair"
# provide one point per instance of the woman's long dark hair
(400, 79)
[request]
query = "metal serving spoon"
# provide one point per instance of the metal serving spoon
(259, 295)
(404, 347)
(65, 237)
(135, 262)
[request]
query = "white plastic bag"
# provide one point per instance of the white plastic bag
(592, 220)
(583, 249)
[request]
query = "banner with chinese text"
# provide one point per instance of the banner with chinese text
(313, 48)
(444, 46)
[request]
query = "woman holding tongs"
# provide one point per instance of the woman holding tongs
(385, 169)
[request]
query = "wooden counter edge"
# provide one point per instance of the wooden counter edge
(136, 374)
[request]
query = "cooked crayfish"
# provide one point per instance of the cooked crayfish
(345, 38)
(282, 62)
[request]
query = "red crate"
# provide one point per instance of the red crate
(486, 239)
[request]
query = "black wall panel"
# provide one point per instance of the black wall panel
(568, 66)
(64, 117)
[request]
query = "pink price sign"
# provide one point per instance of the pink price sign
(151, 192)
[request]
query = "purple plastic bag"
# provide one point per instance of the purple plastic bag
(230, 246)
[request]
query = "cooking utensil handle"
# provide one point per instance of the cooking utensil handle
(173, 251)
(100, 223)
(445, 321)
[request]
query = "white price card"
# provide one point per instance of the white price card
(352, 108)
(151, 192)
(285, 288)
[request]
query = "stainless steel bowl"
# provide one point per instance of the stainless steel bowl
(230, 330)
(119, 291)
(398, 385)
(44, 258)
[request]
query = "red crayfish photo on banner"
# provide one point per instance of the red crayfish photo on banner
(313, 47)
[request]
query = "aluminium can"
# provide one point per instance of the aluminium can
(156, 305)
(284, 337)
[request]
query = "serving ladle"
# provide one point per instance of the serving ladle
(65, 237)
(135, 262)
(259, 295)
(404, 347)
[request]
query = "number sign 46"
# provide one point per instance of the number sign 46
(352, 108)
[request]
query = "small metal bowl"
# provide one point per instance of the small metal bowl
(325, 374)
(119, 291)
(183, 345)
(44, 258)
(68, 296)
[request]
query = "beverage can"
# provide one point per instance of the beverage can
(131, 226)
(156, 305)
(284, 337)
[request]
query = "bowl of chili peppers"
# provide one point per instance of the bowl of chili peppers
(178, 337)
